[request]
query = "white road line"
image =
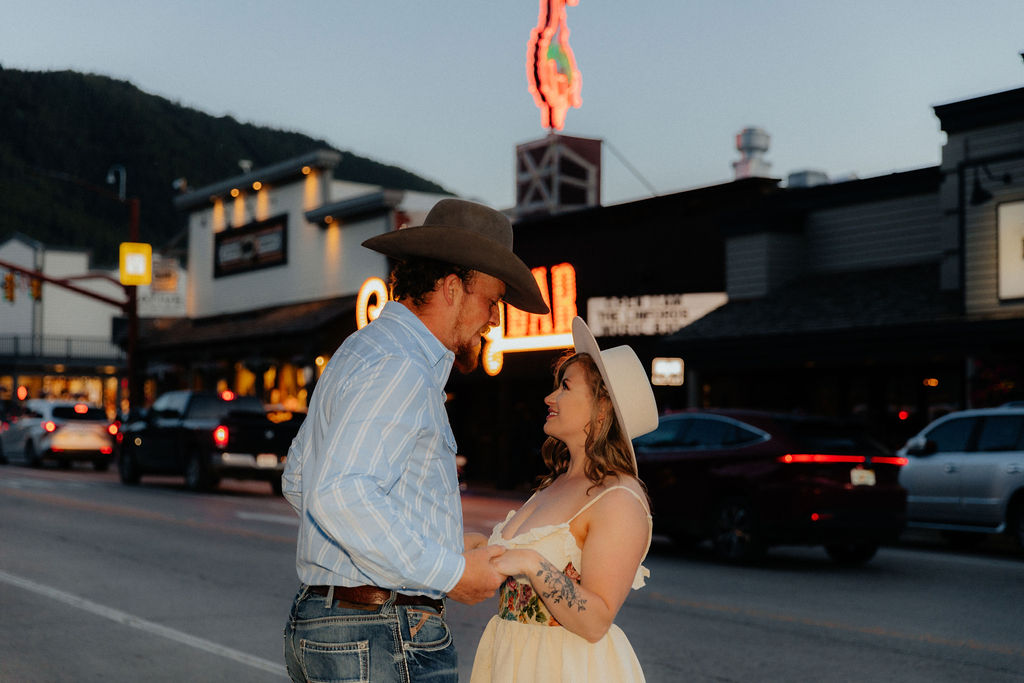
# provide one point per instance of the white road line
(290, 520)
(143, 625)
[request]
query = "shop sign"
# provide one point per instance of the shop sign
(1011, 250)
(667, 372)
(250, 247)
(521, 331)
(649, 315)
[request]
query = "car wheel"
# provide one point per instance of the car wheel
(101, 465)
(128, 467)
(3, 458)
(852, 553)
(737, 535)
(31, 457)
(197, 476)
(1015, 522)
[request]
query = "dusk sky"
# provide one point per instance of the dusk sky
(440, 88)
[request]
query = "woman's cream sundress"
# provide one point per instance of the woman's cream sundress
(524, 644)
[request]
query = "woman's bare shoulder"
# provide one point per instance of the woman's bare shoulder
(613, 485)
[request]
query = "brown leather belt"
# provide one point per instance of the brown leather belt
(373, 596)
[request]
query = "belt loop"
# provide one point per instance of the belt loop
(392, 597)
(329, 600)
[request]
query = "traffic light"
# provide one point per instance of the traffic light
(9, 287)
(37, 289)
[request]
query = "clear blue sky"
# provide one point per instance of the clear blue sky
(439, 86)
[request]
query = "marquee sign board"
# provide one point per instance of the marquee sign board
(649, 315)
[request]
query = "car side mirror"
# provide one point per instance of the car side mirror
(922, 447)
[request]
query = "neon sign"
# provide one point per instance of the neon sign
(372, 297)
(517, 330)
(521, 331)
(551, 73)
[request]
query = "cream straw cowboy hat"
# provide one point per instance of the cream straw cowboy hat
(626, 379)
(470, 235)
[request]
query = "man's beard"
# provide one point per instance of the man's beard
(467, 356)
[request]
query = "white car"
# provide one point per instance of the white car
(61, 431)
(965, 474)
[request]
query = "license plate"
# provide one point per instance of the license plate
(266, 460)
(862, 477)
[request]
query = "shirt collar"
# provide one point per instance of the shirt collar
(438, 355)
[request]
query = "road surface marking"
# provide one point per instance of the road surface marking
(143, 625)
(290, 520)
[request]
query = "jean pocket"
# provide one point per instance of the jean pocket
(336, 662)
(427, 630)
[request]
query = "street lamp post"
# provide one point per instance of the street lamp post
(117, 173)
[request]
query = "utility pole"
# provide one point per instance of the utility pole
(119, 174)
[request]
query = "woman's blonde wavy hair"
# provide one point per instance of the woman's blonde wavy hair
(607, 445)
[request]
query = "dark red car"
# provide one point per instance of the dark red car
(747, 480)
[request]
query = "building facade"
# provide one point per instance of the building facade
(274, 268)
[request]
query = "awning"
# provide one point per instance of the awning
(276, 326)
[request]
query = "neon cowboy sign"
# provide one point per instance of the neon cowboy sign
(517, 330)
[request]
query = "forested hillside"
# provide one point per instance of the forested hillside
(61, 131)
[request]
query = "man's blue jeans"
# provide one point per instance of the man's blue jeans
(399, 643)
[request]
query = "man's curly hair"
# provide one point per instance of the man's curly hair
(416, 278)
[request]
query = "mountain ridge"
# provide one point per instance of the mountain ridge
(62, 131)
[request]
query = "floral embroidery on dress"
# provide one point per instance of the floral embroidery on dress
(518, 601)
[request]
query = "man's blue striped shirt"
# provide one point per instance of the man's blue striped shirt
(372, 470)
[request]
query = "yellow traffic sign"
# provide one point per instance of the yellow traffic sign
(136, 263)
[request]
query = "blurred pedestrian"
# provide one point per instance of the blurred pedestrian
(372, 471)
(574, 550)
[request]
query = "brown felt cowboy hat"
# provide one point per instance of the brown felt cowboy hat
(469, 235)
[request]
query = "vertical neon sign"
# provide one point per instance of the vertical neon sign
(551, 73)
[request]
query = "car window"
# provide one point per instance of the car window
(952, 436)
(172, 400)
(206, 407)
(1001, 433)
(670, 432)
(708, 432)
(75, 413)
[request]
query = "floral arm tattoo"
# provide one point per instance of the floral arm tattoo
(559, 587)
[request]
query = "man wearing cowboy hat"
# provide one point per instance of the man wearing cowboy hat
(372, 471)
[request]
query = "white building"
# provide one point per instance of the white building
(275, 263)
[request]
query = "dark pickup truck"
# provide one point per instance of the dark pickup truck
(207, 436)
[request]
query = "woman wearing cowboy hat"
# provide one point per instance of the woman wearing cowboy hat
(573, 551)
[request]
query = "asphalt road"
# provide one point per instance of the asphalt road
(104, 582)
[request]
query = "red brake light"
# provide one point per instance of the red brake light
(49, 426)
(227, 395)
(112, 429)
(81, 408)
(220, 436)
(887, 460)
(819, 458)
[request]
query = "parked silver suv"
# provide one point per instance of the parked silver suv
(62, 431)
(965, 474)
